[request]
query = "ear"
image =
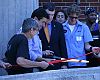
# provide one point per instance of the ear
(30, 30)
(35, 18)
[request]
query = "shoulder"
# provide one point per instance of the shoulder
(20, 37)
(81, 24)
(56, 24)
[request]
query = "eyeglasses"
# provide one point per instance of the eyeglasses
(73, 17)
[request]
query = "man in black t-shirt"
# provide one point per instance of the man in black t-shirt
(17, 53)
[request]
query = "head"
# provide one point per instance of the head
(50, 9)
(30, 27)
(91, 15)
(41, 16)
(60, 16)
(73, 13)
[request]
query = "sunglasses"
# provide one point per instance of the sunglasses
(73, 17)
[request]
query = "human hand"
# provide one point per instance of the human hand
(5, 65)
(95, 49)
(64, 67)
(44, 64)
(39, 59)
(48, 59)
(48, 53)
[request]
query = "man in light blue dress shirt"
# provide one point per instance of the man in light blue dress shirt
(35, 47)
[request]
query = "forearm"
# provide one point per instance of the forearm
(0, 63)
(39, 59)
(92, 49)
(27, 63)
(87, 46)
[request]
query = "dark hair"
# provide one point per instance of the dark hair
(28, 24)
(90, 10)
(57, 11)
(50, 6)
(40, 13)
(74, 8)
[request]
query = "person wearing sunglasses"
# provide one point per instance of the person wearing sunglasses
(77, 37)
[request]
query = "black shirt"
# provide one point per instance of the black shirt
(17, 47)
(96, 38)
(93, 61)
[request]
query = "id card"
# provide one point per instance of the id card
(78, 38)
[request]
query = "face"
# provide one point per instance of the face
(42, 22)
(51, 14)
(60, 17)
(72, 18)
(92, 17)
(33, 32)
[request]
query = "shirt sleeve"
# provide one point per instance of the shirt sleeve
(23, 50)
(32, 53)
(87, 34)
(19, 31)
(35, 49)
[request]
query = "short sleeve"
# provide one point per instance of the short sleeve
(23, 50)
(87, 34)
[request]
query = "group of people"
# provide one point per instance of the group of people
(49, 35)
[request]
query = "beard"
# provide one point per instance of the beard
(92, 20)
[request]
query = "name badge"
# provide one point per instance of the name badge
(78, 38)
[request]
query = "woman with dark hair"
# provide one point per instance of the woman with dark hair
(60, 16)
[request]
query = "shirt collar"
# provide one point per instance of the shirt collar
(49, 24)
(77, 24)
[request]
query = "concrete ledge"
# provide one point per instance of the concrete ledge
(63, 74)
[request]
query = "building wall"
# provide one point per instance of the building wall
(61, 74)
(84, 4)
(12, 14)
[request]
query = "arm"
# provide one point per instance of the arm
(23, 57)
(88, 47)
(32, 49)
(62, 46)
(62, 42)
(4, 65)
(87, 39)
(39, 59)
(30, 64)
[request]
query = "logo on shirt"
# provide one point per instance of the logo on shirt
(65, 31)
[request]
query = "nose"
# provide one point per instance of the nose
(60, 16)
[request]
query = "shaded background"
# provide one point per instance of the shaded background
(13, 12)
(84, 4)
